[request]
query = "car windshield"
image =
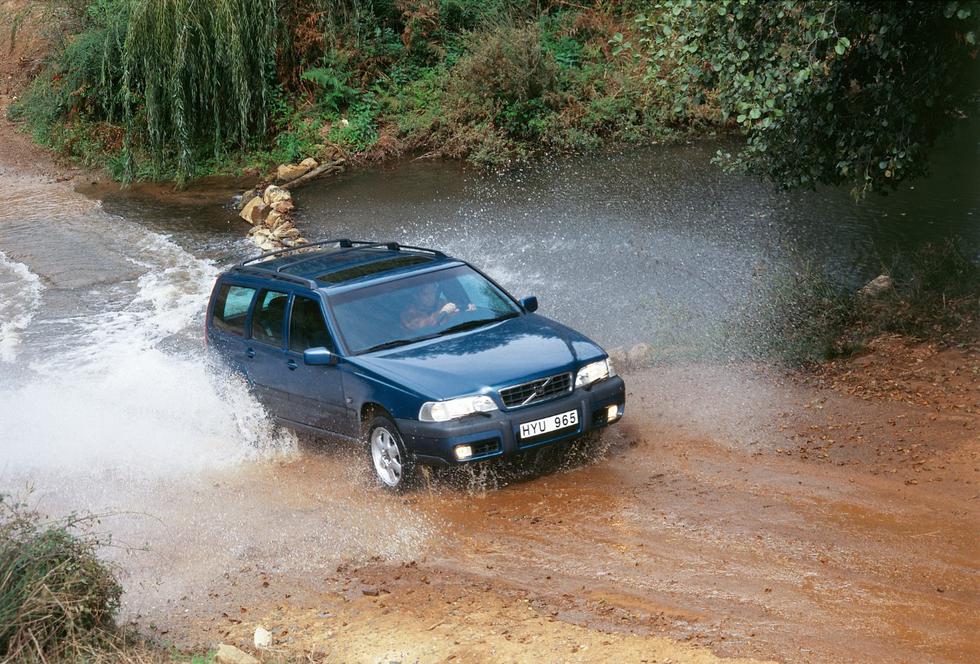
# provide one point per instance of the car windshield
(427, 305)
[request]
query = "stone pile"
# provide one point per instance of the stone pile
(271, 217)
(269, 210)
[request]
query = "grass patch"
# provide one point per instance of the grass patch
(57, 599)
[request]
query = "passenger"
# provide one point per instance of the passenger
(426, 311)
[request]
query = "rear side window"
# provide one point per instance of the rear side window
(231, 308)
(307, 329)
(269, 318)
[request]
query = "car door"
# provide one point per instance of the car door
(319, 396)
(265, 350)
(228, 316)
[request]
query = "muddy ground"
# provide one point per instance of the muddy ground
(735, 513)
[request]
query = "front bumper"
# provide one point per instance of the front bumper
(497, 434)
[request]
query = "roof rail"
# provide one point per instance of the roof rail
(272, 274)
(345, 245)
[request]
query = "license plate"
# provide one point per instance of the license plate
(549, 424)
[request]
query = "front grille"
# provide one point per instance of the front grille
(536, 391)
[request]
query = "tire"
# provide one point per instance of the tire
(393, 466)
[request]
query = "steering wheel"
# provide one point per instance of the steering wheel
(444, 316)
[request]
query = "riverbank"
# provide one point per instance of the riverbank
(372, 83)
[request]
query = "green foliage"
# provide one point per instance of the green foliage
(83, 82)
(826, 91)
(180, 88)
(56, 597)
(360, 130)
(198, 74)
(334, 93)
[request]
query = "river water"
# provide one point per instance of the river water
(109, 401)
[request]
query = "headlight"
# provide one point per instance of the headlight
(594, 372)
(443, 411)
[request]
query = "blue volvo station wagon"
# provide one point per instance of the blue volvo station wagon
(419, 355)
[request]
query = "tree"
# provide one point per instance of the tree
(825, 91)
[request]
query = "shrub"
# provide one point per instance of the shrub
(56, 598)
(496, 96)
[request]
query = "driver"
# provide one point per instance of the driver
(426, 310)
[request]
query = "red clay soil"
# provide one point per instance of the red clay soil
(736, 513)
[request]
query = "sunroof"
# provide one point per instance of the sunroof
(373, 267)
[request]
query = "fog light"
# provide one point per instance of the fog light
(463, 452)
(612, 412)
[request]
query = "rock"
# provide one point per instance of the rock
(231, 655)
(274, 219)
(283, 207)
(255, 211)
(310, 163)
(265, 243)
(283, 226)
(877, 287)
(639, 355)
(262, 638)
(287, 172)
(274, 194)
(245, 197)
(291, 233)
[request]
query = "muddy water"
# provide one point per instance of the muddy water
(109, 402)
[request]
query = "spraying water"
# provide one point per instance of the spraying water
(111, 403)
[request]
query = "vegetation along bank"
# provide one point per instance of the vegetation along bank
(824, 91)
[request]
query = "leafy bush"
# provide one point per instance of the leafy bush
(826, 91)
(496, 96)
(57, 598)
(83, 81)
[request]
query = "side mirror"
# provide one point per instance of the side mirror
(529, 304)
(319, 357)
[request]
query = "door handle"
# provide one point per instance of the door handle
(250, 352)
(292, 365)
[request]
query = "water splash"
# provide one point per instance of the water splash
(116, 377)
(20, 298)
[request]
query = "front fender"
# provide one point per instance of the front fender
(362, 386)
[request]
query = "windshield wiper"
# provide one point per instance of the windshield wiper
(394, 343)
(470, 324)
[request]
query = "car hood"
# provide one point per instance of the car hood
(505, 353)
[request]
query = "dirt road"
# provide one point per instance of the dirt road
(736, 513)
